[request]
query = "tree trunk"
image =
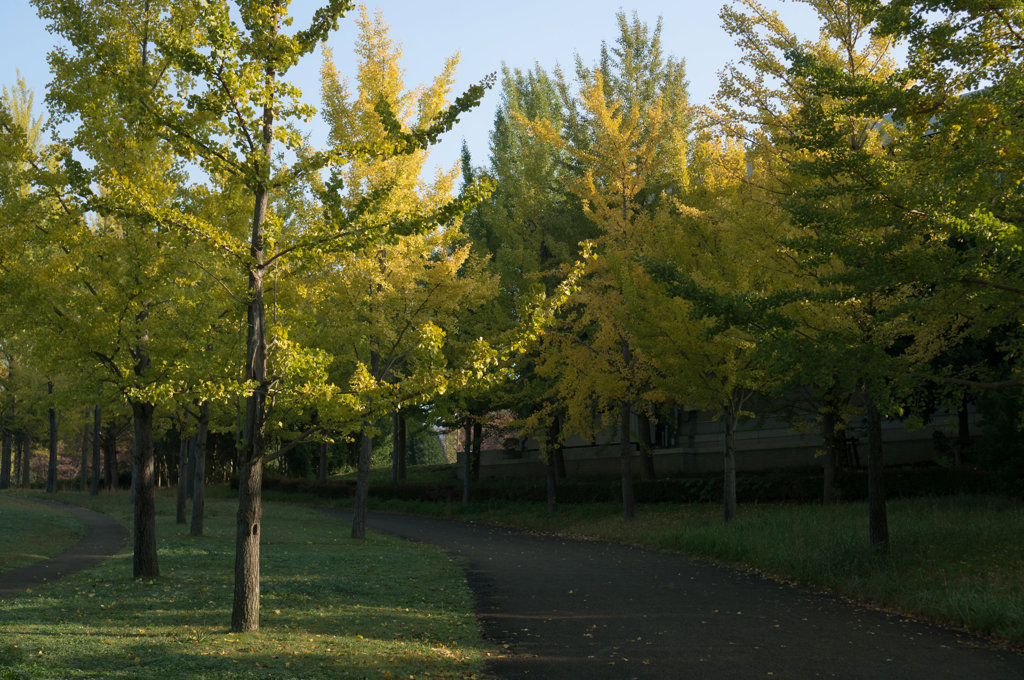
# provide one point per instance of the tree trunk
(5, 459)
(182, 500)
(403, 445)
(199, 473)
(478, 439)
(625, 453)
(467, 454)
(828, 433)
(362, 498)
(110, 457)
(963, 433)
(878, 523)
(643, 426)
(83, 483)
(560, 471)
(245, 608)
(729, 486)
(190, 467)
(396, 425)
(553, 444)
(144, 559)
(322, 470)
(26, 460)
(51, 468)
(94, 490)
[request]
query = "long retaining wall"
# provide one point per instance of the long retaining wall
(759, 446)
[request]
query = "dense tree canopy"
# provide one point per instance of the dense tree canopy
(838, 223)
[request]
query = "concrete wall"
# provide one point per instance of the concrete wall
(760, 444)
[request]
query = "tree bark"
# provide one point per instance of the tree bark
(94, 490)
(190, 467)
(83, 483)
(828, 433)
(625, 469)
(199, 473)
(396, 426)
(5, 459)
(322, 469)
(26, 460)
(467, 455)
(478, 439)
(878, 523)
(245, 610)
(643, 426)
(51, 468)
(963, 433)
(362, 498)
(553, 445)
(560, 471)
(403, 445)
(110, 457)
(144, 558)
(182, 499)
(729, 485)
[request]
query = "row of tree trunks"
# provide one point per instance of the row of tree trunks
(15, 457)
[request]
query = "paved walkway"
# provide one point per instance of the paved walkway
(571, 609)
(104, 536)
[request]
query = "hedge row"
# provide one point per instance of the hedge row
(800, 486)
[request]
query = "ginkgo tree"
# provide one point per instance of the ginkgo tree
(228, 108)
(627, 135)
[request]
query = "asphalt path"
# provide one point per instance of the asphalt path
(104, 536)
(561, 608)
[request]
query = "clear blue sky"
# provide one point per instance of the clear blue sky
(485, 33)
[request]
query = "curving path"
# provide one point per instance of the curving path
(104, 536)
(570, 609)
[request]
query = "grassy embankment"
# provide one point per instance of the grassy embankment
(331, 607)
(955, 560)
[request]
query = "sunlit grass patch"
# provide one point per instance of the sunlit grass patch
(331, 608)
(33, 531)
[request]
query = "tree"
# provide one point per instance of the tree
(626, 135)
(222, 105)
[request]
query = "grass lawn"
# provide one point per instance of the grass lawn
(32, 532)
(957, 561)
(331, 608)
